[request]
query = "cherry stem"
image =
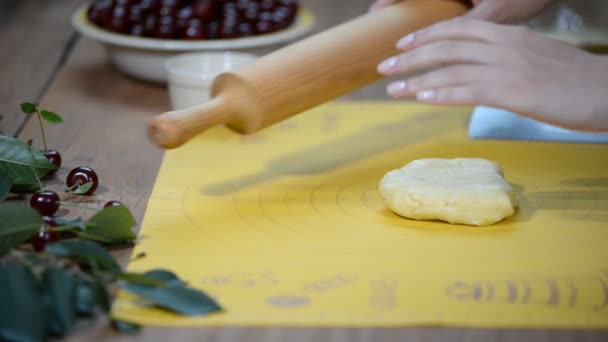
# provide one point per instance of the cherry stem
(74, 187)
(29, 144)
(46, 149)
(60, 229)
(140, 255)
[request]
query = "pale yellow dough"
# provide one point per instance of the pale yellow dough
(460, 191)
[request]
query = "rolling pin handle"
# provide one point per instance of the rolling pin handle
(173, 129)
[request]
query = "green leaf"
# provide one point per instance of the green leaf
(82, 189)
(63, 224)
(9, 242)
(86, 252)
(34, 259)
(167, 277)
(15, 161)
(174, 296)
(28, 107)
(22, 313)
(181, 300)
(25, 187)
(61, 288)
(16, 218)
(142, 279)
(51, 117)
(125, 327)
(5, 185)
(110, 225)
(85, 299)
(18, 223)
(101, 296)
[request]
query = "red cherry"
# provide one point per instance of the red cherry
(183, 17)
(149, 7)
(229, 10)
(203, 9)
(167, 11)
(54, 157)
(185, 12)
(125, 3)
(45, 202)
(242, 5)
(213, 30)
(229, 30)
(229, 6)
(120, 20)
(113, 204)
(221, 18)
(137, 30)
(281, 18)
(232, 15)
(100, 13)
(80, 176)
(246, 30)
(136, 15)
(291, 4)
(252, 13)
(195, 30)
(265, 16)
(264, 27)
(268, 5)
(150, 26)
(40, 240)
(166, 28)
(172, 3)
(265, 23)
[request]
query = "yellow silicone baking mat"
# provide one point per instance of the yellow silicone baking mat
(286, 227)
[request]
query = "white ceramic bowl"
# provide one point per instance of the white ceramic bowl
(191, 75)
(145, 58)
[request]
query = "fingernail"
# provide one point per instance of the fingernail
(388, 65)
(406, 41)
(397, 89)
(426, 95)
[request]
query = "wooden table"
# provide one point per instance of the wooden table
(106, 114)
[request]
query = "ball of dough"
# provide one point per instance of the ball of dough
(459, 191)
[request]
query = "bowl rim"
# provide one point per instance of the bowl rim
(304, 24)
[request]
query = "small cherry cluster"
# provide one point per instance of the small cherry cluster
(82, 180)
(48, 202)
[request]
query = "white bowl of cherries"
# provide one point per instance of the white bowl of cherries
(140, 35)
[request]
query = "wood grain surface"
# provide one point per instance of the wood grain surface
(106, 115)
(35, 38)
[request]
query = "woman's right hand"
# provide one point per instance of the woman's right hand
(474, 62)
(499, 11)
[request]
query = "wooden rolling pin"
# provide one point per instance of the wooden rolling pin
(302, 75)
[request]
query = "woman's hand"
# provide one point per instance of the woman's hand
(500, 11)
(471, 62)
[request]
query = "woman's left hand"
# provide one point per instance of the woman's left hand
(470, 62)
